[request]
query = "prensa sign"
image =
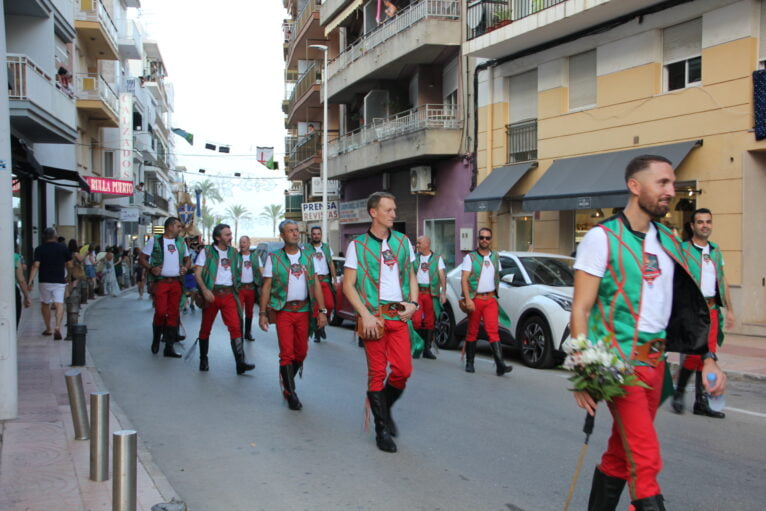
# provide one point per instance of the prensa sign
(109, 186)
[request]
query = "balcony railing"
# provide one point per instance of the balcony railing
(308, 79)
(307, 147)
(94, 10)
(409, 121)
(28, 80)
(93, 86)
(522, 141)
(483, 16)
(161, 203)
(149, 200)
(293, 203)
(290, 142)
(304, 16)
(288, 27)
(404, 19)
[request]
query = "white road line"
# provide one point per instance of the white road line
(746, 412)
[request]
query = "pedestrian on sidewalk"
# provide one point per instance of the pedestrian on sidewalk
(21, 286)
(138, 272)
(325, 271)
(634, 290)
(90, 268)
(479, 282)
(290, 288)
(166, 259)
(111, 280)
(707, 267)
(379, 282)
(250, 276)
(217, 270)
(432, 292)
(51, 260)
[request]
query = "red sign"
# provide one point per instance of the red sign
(109, 186)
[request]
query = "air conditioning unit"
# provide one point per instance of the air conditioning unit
(420, 179)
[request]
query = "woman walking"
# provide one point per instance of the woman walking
(110, 277)
(138, 273)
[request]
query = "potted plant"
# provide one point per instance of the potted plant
(501, 18)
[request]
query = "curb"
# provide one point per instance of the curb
(733, 375)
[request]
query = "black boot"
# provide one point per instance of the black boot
(322, 333)
(297, 369)
(653, 503)
(392, 394)
(171, 337)
(156, 338)
(379, 410)
(249, 329)
(605, 492)
(701, 406)
(427, 353)
(470, 353)
(288, 387)
(239, 356)
(317, 335)
(497, 353)
(204, 345)
(678, 395)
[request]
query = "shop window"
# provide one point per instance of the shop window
(682, 55)
(582, 80)
(523, 233)
(442, 234)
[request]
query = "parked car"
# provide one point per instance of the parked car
(343, 309)
(536, 293)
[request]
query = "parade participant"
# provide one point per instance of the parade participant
(706, 266)
(325, 271)
(217, 272)
(479, 281)
(432, 291)
(191, 290)
(247, 289)
(167, 261)
(379, 282)
(632, 289)
(289, 288)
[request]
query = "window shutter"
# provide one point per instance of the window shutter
(762, 33)
(582, 79)
(449, 78)
(523, 97)
(682, 41)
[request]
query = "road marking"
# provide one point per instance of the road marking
(746, 412)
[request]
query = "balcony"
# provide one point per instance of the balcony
(293, 203)
(291, 77)
(418, 34)
(97, 99)
(130, 42)
(99, 33)
(331, 8)
(305, 31)
(40, 107)
(425, 132)
(522, 141)
(305, 158)
(144, 143)
(516, 25)
(305, 96)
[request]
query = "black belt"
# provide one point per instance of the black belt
(223, 290)
(296, 304)
(247, 285)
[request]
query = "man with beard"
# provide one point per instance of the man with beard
(633, 290)
(432, 292)
(217, 270)
(247, 288)
(325, 272)
(706, 266)
(290, 288)
(167, 259)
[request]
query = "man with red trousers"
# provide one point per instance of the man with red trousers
(325, 271)
(432, 292)
(250, 276)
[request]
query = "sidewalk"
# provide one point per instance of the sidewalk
(42, 467)
(741, 357)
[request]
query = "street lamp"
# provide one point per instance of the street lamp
(323, 48)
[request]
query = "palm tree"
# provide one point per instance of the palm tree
(274, 212)
(237, 212)
(209, 191)
(208, 221)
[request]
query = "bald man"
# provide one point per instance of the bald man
(432, 292)
(249, 281)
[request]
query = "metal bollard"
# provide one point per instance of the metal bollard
(77, 404)
(72, 311)
(83, 292)
(91, 290)
(124, 470)
(78, 344)
(99, 439)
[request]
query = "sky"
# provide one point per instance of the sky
(225, 61)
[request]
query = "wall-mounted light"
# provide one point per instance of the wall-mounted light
(598, 214)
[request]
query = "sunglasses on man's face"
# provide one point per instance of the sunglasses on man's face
(485, 238)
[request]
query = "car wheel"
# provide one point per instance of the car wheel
(335, 319)
(444, 333)
(536, 343)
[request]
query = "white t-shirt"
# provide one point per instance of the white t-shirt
(223, 275)
(247, 270)
(320, 263)
(390, 286)
(487, 276)
(709, 275)
(170, 266)
(657, 287)
(297, 287)
(423, 278)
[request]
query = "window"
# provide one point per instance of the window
(582, 80)
(682, 50)
(442, 234)
(509, 266)
(762, 38)
(522, 130)
(109, 164)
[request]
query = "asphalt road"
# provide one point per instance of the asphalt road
(229, 442)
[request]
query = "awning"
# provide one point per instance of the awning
(488, 196)
(594, 181)
(25, 164)
(340, 18)
(53, 175)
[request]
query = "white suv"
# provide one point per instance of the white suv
(536, 293)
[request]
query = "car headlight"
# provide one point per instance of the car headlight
(564, 301)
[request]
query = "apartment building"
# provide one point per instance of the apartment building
(566, 92)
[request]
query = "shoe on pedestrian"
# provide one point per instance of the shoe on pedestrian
(47, 332)
(427, 339)
(470, 353)
(379, 410)
(653, 503)
(317, 339)
(701, 405)
(297, 369)
(497, 353)
(605, 492)
(186, 311)
(57, 335)
(238, 348)
(157, 331)
(204, 346)
(288, 387)
(249, 329)
(392, 394)
(678, 395)
(171, 335)
(323, 333)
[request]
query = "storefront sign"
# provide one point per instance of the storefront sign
(125, 170)
(129, 214)
(109, 186)
(354, 212)
(583, 202)
(312, 211)
(333, 187)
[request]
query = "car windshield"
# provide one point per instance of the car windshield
(550, 271)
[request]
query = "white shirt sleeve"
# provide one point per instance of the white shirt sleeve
(441, 263)
(267, 268)
(186, 249)
(201, 258)
(412, 252)
(148, 247)
(467, 266)
(351, 262)
(592, 253)
(332, 254)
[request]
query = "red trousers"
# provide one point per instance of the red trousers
(694, 362)
(247, 300)
(394, 350)
(228, 307)
(167, 296)
(329, 299)
(486, 309)
(424, 317)
(293, 336)
(633, 452)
